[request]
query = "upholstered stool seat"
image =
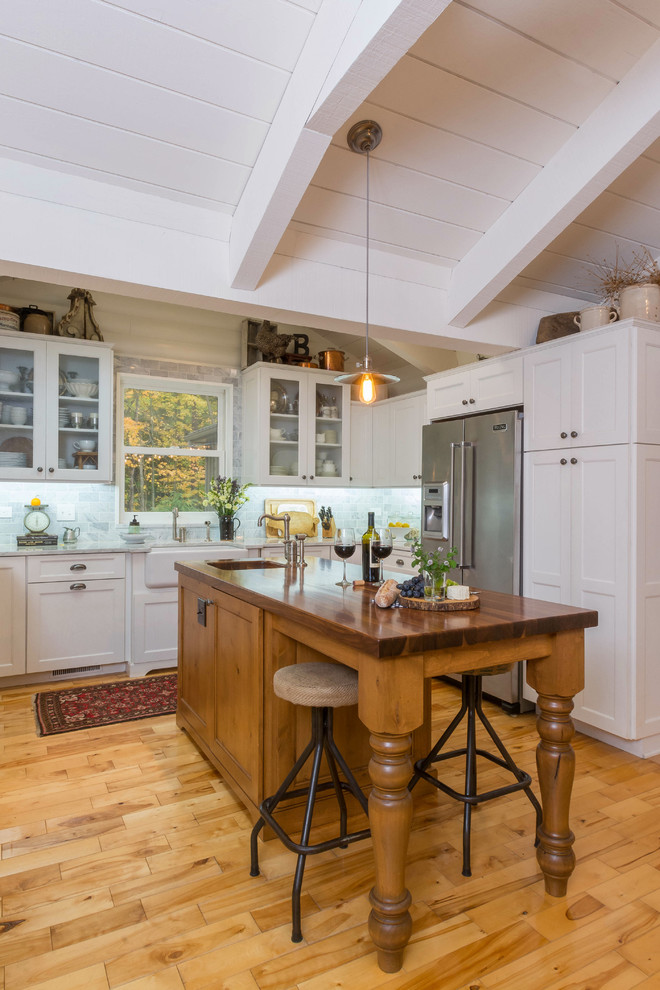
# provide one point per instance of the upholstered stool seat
(471, 706)
(321, 687)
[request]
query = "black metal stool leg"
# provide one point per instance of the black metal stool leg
(318, 738)
(470, 770)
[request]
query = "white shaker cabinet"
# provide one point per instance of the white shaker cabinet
(55, 409)
(397, 441)
(495, 383)
(362, 445)
(76, 609)
(12, 616)
(296, 426)
(577, 552)
(577, 390)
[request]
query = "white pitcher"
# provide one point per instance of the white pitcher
(594, 316)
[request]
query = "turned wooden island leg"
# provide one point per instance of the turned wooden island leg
(390, 816)
(391, 705)
(557, 678)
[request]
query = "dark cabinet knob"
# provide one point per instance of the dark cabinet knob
(464, 402)
(563, 435)
(311, 477)
(304, 476)
(573, 460)
(50, 470)
(472, 402)
(39, 469)
(563, 461)
(573, 434)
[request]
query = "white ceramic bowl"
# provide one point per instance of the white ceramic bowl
(86, 445)
(8, 378)
(84, 389)
(132, 537)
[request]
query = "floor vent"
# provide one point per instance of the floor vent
(74, 670)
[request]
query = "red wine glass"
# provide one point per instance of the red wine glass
(344, 548)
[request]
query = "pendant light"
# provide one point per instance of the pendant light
(363, 138)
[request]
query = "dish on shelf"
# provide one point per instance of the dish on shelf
(82, 389)
(278, 398)
(8, 379)
(17, 445)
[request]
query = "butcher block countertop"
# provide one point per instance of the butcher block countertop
(310, 597)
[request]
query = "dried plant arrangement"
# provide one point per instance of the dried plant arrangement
(613, 276)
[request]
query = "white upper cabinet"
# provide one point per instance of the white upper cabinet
(362, 445)
(492, 384)
(397, 441)
(56, 415)
(577, 391)
(296, 426)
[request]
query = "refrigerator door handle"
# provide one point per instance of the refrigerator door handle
(465, 548)
(463, 447)
(452, 480)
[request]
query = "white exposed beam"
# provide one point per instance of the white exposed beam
(617, 132)
(351, 47)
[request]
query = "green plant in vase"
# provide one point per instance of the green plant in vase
(226, 496)
(436, 564)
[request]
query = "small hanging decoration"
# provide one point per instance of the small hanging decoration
(79, 321)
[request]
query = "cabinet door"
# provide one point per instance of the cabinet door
(644, 387)
(361, 445)
(383, 458)
(600, 580)
(75, 625)
(331, 406)
(196, 663)
(547, 399)
(238, 692)
(547, 527)
(12, 616)
(496, 384)
(407, 416)
(79, 413)
(448, 395)
(22, 408)
(599, 389)
(283, 432)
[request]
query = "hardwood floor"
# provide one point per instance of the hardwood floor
(125, 863)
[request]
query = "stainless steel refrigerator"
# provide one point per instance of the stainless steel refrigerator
(471, 500)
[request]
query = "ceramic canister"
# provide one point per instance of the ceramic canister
(640, 301)
(594, 316)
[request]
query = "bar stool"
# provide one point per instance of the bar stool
(321, 687)
(471, 686)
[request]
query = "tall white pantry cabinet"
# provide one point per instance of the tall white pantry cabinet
(592, 514)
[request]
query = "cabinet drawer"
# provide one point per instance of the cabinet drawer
(75, 566)
(399, 560)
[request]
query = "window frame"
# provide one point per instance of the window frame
(223, 392)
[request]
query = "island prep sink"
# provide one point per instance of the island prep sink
(253, 564)
(159, 562)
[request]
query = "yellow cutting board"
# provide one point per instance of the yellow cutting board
(278, 506)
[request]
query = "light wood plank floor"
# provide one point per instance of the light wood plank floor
(125, 864)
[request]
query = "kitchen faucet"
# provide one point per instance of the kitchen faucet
(177, 534)
(290, 548)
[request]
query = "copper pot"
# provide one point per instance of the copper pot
(331, 360)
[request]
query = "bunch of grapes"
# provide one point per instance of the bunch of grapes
(413, 587)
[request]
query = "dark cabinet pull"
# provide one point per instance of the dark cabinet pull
(78, 567)
(77, 587)
(573, 434)
(465, 402)
(399, 563)
(472, 401)
(573, 460)
(563, 461)
(40, 469)
(563, 435)
(51, 470)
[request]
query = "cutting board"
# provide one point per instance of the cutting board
(278, 506)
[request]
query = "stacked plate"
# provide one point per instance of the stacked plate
(63, 417)
(10, 459)
(277, 469)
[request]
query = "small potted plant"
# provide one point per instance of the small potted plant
(226, 496)
(435, 566)
(633, 286)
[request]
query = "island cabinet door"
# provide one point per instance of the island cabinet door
(197, 636)
(237, 742)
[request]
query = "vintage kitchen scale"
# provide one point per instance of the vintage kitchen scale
(36, 522)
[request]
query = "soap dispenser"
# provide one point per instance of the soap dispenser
(134, 526)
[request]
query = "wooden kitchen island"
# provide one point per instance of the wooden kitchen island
(240, 621)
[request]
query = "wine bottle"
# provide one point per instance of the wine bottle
(370, 566)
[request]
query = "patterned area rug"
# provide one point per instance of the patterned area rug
(88, 707)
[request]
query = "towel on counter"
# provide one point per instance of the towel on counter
(301, 522)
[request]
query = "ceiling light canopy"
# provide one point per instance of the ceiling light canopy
(363, 138)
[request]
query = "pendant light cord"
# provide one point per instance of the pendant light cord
(366, 336)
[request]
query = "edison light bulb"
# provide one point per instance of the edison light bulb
(367, 392)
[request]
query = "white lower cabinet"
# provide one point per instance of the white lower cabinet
(75, 611)
(399, 561)
(577, 551)
(12, 616)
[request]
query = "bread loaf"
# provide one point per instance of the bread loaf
(387, 594)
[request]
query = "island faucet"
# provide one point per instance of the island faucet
(290, 548)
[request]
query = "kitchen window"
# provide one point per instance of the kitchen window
(173, 438)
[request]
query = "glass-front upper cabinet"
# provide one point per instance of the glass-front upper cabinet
(296, 426)
(55, 409)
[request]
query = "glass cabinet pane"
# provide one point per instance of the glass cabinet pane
(284, 440)
(16, 408)
(78, 412)
(328, 435)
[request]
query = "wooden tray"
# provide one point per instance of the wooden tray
(446, 605)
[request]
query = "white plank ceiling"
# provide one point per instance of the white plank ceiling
(197, 152)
